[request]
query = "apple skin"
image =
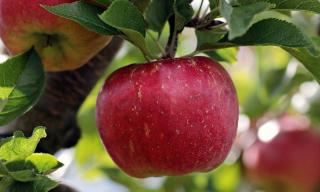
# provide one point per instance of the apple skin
(62, 44)
(287, 163)
(169, 117)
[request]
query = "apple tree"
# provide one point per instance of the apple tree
(216, 95)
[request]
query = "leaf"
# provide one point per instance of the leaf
(102, 2)
(5, 183)
(20, 169)
(35, 164)
(278, 33)
(22, 80)
(183, 13)
(3, 169)
(19, 147)
(141, 4)
(123, 15)
(40, 184)
(308, 5)
(84, 14)
(158, 13)
(127, 18)
(23, 175)
(272, 32)
(227, 55)
(206, 37)
(213, 4)
(310, 61)
(299, 5)
(43, 163)
(240, 18)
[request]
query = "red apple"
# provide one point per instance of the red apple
(62, 44)
(287, 163)
(168, 117)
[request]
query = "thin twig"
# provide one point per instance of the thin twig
(199, 10)
(205, 11)
(172, 43)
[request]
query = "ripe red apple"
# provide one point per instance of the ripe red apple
(62, 44)
(287, 163)
(168, 117)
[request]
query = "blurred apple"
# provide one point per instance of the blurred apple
(288, 162)
(62, 44)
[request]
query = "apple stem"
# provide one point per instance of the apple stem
(172, 44)
(49, 40)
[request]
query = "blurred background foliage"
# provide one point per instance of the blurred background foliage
(269, 83)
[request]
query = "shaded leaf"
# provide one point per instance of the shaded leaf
(5, 183)
(134, 28)
(207, 37)
(183, 13)
(274, 32)
(84, 14)
(22, 80)
(40, 184)
(23, 175)
(311, 62)
(158, 13)
(141, 4)
(214, 4)
(240, 18)
(308, 5)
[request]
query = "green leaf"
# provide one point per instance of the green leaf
(22, 80)
(226, 55)
(103, 3)
(183, 13)
(19, 147)
(158, 13)
(3, 169)
(307, 5)
(20, 169)
(141, 4)
(214, 4)
(241, 18)
(207, 37)
(122, 14)
(23, 175)
(84, 14)
(43, 163)
(127, 18)
(310, 61)
(35, 164)
(40, 184)
(302, 5)
(272, 32)
(5, 183)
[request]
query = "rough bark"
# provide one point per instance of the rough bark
(64, 93)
